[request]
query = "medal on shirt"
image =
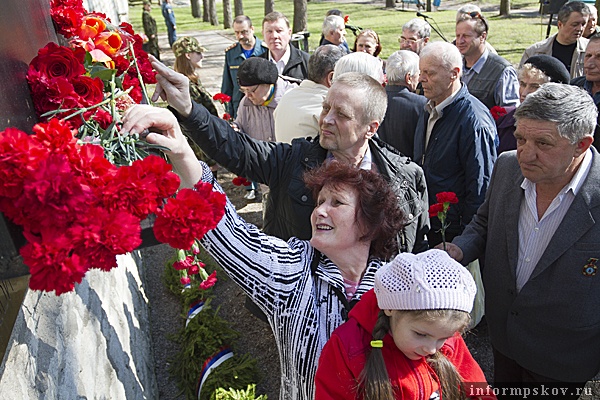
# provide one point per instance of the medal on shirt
(590, 268)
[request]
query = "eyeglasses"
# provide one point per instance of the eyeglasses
(247, 92)
(477, 15)
(402, 39)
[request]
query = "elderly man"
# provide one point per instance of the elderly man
(299, 110)
(538, 231)
(352, 111)
(568, 45)
(489, 77)
(591, 80)
(334, 32)
(454, 140)
(404, 106)
(247, 45)
(290, 61)
(415, 35)
(591, 28)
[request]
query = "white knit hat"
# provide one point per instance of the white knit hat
(431, 280)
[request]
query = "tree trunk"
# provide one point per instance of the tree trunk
(269, 6)
(196, 8)
(505, 7)
(428, 5)
(227, 19)
(212, 12)
(390, 3)
(238, 7)
(205, 9)
(300, 9)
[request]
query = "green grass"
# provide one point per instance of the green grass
(510, 36)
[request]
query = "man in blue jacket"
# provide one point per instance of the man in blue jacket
(247, 46)
(455, 139)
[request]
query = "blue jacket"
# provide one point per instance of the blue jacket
(234, 56)
(459, 158)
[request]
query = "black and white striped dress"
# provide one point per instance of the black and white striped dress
(302, 306)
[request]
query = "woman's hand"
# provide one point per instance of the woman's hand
(163, 130)
(172, 87)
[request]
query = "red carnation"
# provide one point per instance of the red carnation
(346, 19)
(497, 112)
(188, 216)
(209, 282)
(241, 181)
(227, 117)
(222, 97)
(446, 197)
(436, 208)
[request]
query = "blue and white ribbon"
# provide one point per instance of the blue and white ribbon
(213, 362)
(193, 311)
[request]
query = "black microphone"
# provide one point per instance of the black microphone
(420, 14)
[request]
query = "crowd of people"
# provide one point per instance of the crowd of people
(365, 291)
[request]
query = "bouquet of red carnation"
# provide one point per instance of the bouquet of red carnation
(77, 207)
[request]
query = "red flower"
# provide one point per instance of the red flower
(90, 90)
(67, 16)
(497, 112)
(446, 197)
(209, 282)
(185, 280)
(193, 269)
(222, 97)
(183, 264)
(189, 216)
(436, 208)
(54, 61)
(241, 181)
(346, 19)
(227, 117)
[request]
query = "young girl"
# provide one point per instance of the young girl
(402, 340)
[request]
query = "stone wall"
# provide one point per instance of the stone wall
(92, 343)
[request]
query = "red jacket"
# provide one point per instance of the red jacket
(344, 357)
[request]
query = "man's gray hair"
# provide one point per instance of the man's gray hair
(573, 6)
(331, 23)
(399, 64)
(446, 54)
(360, 62)
(369, 90)
(418, 26)
(570, 107)
(322, 62)
(467, 9)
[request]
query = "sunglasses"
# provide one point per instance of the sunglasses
(477, 15)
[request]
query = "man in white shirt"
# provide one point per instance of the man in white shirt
(538, 231)
(298, 112)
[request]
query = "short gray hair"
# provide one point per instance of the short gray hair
(418, 26)
(373, 95)
(399, 64)
(570, 107)
(331, 23)
(573, 6)
(322, 62)
(467, 9)
(447, 55)
(359, 62)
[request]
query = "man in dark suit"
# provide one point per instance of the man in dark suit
(538, 231)
(404, 106)
(290, 61)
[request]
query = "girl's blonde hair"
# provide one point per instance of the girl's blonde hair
(374, 381)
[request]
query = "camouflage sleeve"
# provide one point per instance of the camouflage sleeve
(201, 96)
